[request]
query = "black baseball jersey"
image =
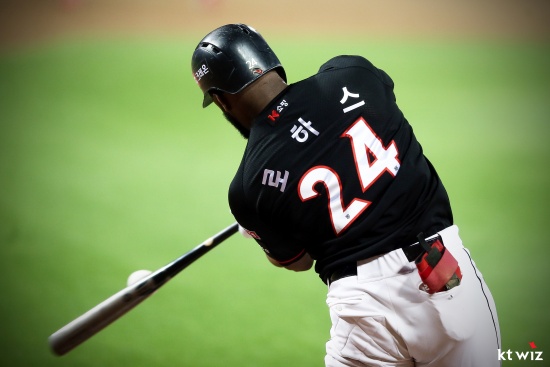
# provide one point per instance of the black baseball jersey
(332, 168)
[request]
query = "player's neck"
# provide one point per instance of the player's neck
(256, 97)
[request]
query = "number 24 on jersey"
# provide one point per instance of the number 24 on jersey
(363, 140)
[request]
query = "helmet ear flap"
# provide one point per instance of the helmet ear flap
(230, 58)
(207, 100)
(218, 98)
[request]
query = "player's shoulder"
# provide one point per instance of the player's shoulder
(346, 61)
(355, 67)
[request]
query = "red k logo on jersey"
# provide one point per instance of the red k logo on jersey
(278, 110)
(273, 116)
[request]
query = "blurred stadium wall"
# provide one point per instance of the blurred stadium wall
(26, 22)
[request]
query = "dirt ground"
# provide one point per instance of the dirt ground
(26, 21)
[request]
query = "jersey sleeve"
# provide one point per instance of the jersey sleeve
(285, 254)
(284, 251)
(279, 247)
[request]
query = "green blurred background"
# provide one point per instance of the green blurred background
(108, 165)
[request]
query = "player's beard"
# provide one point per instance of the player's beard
(244, 132)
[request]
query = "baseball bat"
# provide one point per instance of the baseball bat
(88, 324)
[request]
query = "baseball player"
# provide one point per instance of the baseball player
(332, 174)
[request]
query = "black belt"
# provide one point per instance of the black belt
(411, 253)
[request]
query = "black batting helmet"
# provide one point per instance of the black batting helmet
(230, 58)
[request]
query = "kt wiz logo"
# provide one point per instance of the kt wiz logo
(532, 355)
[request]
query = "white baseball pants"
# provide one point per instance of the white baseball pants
(381, 317)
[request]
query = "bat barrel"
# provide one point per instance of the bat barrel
(93, 321)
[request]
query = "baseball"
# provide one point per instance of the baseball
(138, 275)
